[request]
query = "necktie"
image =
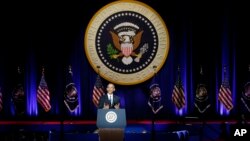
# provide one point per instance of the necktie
(110, 99)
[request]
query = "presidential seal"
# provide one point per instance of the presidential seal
(126, 39)
(111, 117)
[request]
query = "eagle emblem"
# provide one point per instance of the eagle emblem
(126, 39)
(155, 98)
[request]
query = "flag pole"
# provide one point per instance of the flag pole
(43, 70)
(179, 77)
(224, 80)
(200, 117)
(98, 71)
(63, 113)
(153, 114)
(18, 70)
(178, 83)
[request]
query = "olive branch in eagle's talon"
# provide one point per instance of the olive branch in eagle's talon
(112, 52)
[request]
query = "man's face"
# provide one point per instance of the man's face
(110, 88)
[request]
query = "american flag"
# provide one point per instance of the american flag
(1, 101)
(43, 94)
(225, 97)
(178, 97)
(98, 91)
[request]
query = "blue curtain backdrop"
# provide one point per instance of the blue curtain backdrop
(51, 35)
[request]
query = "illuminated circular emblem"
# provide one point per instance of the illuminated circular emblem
(201, 93)
(111, 117)
(126, 39)
(155, 93)
(246, 92)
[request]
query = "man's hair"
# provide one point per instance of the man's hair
(111, 84)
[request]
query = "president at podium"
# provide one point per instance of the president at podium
(111, 120)
(109, 100)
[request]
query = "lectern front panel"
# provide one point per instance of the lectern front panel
(111, 118)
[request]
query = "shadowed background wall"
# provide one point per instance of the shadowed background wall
(51, 34)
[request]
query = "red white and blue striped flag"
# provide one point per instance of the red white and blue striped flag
(225, 97)
(98, 91)
(225, 94)
(178, 96)
(43, 94)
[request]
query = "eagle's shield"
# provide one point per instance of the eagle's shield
(127, 49)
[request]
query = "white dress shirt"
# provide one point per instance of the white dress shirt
(110, 96)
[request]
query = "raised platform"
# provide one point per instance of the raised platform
(136, 130)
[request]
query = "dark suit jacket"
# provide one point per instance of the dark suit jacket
(105, 99)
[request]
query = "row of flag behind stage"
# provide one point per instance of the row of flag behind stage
(201, 103)
(201, 95)
(43, 95)
(70, 95)
(71, 101)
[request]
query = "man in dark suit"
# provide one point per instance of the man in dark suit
(109, 100)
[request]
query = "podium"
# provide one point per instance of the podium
(111, 124)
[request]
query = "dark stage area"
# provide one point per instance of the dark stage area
(184, 130)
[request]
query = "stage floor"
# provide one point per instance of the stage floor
(134, 131)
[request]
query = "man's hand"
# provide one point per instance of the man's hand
(117, 106)
(106, 106)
